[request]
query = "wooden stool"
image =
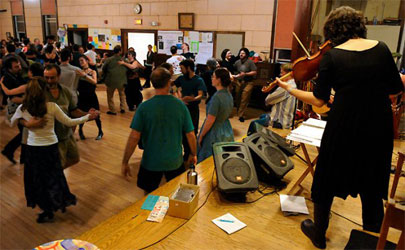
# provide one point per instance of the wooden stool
(398, 170)
(394, 216)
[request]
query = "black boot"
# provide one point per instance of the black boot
(316, 231)
(45, 217)
(81, 135)
(100, 135)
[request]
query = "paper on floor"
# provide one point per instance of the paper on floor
(293, 204)
(229, 223)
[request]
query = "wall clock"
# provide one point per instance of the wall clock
(137, 8)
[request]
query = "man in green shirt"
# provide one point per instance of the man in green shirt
(159, 124)
(115, 78)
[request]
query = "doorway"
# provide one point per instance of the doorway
(139, 40)
(78, 36)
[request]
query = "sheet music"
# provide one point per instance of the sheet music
(310, 132)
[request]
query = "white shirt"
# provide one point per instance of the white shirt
(175, 62)
(46, 135)
(283, 105)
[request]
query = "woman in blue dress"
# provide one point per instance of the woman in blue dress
(216, 127)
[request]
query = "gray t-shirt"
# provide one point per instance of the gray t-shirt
(245, 66)
(70, 79)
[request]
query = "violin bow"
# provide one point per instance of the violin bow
(302, 45)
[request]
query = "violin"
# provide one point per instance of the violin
(304, 68)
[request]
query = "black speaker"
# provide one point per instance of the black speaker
(273, 137)
(270, 162)
(235, 170)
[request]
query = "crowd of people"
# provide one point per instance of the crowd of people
(49, 89)
(45, 86)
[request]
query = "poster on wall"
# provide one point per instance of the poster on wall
(166, 39)
(104, 38)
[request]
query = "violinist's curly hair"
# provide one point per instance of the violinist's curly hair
(344, 23)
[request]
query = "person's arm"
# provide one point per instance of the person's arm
(305, 96)
(91, 79)
(135, 64)
(79, 113)
(64, 119)
(34, 122)
(207, 126)
(132, 142)
(192, 142)
(17, 99)
(14, 91)
(188, 99)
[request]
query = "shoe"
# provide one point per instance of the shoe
(122, 111)
(45, 217)
(241, 119)
(111, 113)
(277, 125)
(310, 230)
(81, 135)
(100, 135)
(9, 156)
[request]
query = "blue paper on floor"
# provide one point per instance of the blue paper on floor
(150, 202)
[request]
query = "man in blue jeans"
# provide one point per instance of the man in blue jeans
(159, 123)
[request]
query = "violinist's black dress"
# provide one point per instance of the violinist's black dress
(356, 147)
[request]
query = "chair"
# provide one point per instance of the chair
(394, 216)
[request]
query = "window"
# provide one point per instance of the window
(49, 18)
(50, 25)
(19, 26)
(17, 12)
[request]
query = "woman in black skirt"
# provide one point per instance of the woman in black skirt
(87, 94)
(44, 181)
(133, 88)
(356, 147)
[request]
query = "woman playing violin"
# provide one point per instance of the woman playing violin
(355, 153)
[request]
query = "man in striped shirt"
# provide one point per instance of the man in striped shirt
(283, 104)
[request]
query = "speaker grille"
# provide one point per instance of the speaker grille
(275, 156)
(236, 171)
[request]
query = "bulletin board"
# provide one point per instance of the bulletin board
(166, 39)
(104, 38)
(201, 43)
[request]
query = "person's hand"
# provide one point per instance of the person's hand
(126, 171)
(331, 99)
(36, 122)
(93, 114)
(282, 84)
(120, 62)
(192, 160)
(80, 73)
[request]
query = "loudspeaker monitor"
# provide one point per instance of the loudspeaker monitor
(270, 162)
(234, 167)
(273, 137)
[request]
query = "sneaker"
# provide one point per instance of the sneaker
(111, 113)
(241, 119)
(122, 111)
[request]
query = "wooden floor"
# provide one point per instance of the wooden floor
(103, 192)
